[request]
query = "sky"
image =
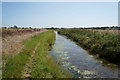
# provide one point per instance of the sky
(59, 0)
(59, 14)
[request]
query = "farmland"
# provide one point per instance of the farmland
(33, 53)
(103, 43)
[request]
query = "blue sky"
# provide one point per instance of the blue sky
(60, 14)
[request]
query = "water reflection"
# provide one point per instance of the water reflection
(78, 61)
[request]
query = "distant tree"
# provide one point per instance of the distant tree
(52, 27)
(26, 27)
(15, 26)
(4, 27)
(30, 28)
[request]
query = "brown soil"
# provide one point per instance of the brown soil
(12, 39)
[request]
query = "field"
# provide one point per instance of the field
(103, 43)
(12, 39)
(25, 52)
(12, 32)
(33, 60)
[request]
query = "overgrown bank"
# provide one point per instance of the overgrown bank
(101, 43)
(42, 65)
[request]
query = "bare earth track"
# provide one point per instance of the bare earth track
(12, 40)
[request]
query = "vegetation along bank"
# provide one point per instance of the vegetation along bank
(103, 43)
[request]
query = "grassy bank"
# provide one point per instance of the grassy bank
(42, 65)
(102, 43)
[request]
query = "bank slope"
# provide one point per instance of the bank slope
(103, 43)
(36, 57)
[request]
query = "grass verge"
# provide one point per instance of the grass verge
(43, 65)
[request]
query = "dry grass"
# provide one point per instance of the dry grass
(11, 32)
(106, 31)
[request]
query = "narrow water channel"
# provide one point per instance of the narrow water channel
(79, 62)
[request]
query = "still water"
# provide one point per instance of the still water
(79, 62)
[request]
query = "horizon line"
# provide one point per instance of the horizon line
(64, 26)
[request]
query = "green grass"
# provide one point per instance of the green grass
(15, 64)
(42, 65)
(106, 45)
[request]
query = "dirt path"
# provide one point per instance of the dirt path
(13, 44)
(28, 66)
